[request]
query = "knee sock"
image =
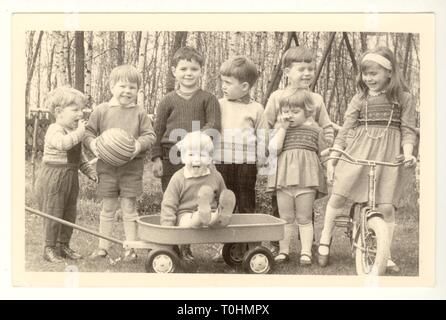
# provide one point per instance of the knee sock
(105, 228)
(330, 215)
(306, 237)
(285, 243)
(391, 229)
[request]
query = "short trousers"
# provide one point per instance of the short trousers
(124, 181)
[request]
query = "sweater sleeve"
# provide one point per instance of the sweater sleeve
(84, 166)
(408, 121)
(350, 119)
(146, 134)
(262, 133)
(92, 130)
(325, 123)
(171, 202)
(213, 114)
(162, 114)
(272, 109)
(56, 137)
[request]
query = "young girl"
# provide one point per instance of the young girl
(298, 176)
(379, 121)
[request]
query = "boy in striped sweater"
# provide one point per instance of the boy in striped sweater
(57, 184)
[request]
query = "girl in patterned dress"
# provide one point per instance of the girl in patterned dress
(298, 175)
(379, 124)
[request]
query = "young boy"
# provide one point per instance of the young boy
(299, 66)
(244, 130)
(57, 184)
(186, 109)
(124, 182)
(190, 199)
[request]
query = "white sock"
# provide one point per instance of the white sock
(285, 243)
(330, 215)
(306, 237)
(130, 230)
(391, 229)
(105, 228)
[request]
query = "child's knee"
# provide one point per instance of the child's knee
(288, 218)
(128, 207)
(388, 212)
(109, 207)
(336, 201)
(304, 219)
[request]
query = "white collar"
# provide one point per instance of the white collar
(188, 174)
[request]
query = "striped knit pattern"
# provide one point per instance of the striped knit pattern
(58, 141)
(303, 137)
(379, 114)
(115, 146)
(177, 113)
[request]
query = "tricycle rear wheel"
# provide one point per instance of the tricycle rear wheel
(162, 261)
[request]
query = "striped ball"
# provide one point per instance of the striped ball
(115, 146)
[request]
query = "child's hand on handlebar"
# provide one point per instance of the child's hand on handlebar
(409, 160)
(330, 171)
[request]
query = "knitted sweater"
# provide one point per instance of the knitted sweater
(132, 119)
(320, 115)
(181, 194)
(244, 133)
(58, 142)
(175, 115)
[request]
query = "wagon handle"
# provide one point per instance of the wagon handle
(74, 226)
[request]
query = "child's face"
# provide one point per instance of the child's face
(196, 160)
(69, 116)
(233, 89)
(295, 115)
(300, 74)
(375, 77)
(187, 73)
(125, 92)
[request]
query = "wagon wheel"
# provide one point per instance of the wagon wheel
(233, 253)
(258, 260)
(162, 261)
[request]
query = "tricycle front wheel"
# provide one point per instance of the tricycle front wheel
(162, 261)
(258, 260)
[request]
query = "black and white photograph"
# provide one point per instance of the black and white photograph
(291, 154)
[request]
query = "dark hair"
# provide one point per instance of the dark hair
(125, 72)
(189, 54)
(396, 84)
(299, 98)
(241, 68)
(297, 54)
(63, 97)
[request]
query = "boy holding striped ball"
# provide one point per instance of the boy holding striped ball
(121, 154)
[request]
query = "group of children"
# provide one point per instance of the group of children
(207, 152)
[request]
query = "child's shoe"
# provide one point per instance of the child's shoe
(205, 198)
(67, 252)
(282, 258)
(130, 255)
(99, 253)
(305, 260)
(186, 253)
(50, 254)
(226, 205)
(392, 268)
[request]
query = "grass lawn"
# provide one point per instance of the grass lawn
(404, 247)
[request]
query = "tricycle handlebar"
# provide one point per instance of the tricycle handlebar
(348, 158)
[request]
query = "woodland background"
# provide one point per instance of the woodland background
(84, 60)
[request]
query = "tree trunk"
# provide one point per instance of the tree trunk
(324, 56)
(180, 39)
(66, 55)
(138, 43)
(408, 49)
(121, 47)
(363, 42)
(141, 64)
(31, 71)
(351, 53)
(79, 64)
(88, 65)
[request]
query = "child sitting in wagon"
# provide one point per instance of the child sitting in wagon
(190, 199)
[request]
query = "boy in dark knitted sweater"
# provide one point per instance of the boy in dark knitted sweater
(186, 109)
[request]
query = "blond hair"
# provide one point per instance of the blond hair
(63, 97)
